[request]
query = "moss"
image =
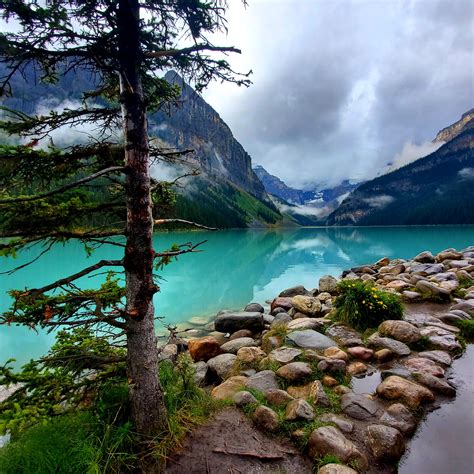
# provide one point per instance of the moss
(467, 329)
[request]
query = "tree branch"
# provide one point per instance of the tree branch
(191, 49)
(183, 221)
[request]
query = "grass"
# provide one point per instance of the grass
(326, 459)
(467, 328)
(278, 330)
(361, 305)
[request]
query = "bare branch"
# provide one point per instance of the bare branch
(191, 49)
(183, 221)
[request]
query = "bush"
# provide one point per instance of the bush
(467, 328)
(361, 305)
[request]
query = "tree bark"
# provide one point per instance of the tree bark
(147, 403)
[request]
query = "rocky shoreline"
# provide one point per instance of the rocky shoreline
(349, 400)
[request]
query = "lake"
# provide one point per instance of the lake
(234, 268)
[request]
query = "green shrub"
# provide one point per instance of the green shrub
(467, 328)
(361, 305)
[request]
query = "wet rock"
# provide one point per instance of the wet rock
(294, 371)
(299, 410)
(330, 440)
(425, 257)
(347, 337)
(294, 291)
(434, 383)
(342, 390)
(360, 407)
(341, 422)
(385, 442)
(383, 355)
(435, 290)
(440, 357)
(278, 310)
(332, 365)
(446, 342)
(308, 323)
(335, 353)
(201, 374)
(427, 269)
(398, 285)
(284, 303)
(284, 355)
(360, 352)
(397, 347)
(400, 330)
(327, 284)
(244, 398)
(400, 417)
(336, 469)
(274, 342)
(329, 381)
(266, 418)
(263, 381)
(227, 389)
(410, 393)
(233, 346)
(222, 364)
(466, 306)
(310, 339)
(452, 318)
(241, 333)
(449, 254)
(254, 308)
(398, 371)
(281, 318)
(356, 368)
(204, 348)
(307, 305)
(411, 296)
(426, 366)
(278, 397)
(229, 321)
(250, 354)
(313, 391)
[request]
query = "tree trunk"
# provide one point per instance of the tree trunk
(148, 409)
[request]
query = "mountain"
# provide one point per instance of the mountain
(436, 189)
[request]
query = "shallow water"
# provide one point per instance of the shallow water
(366, 384)
(444, 442)
(235, 267)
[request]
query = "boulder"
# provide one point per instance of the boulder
(308, 323)
(294, 371)
(327, 284)
(400, 417)
(250, 354)
(310, 339)
(241, 333)
(435, 384)
(201, 373)
(281, 318)
(398, 285)
(285, 303)
(425, 257)
(204, 348)
(227, 389)
(427, 269)
(231, 321)
(449, 254)
(360, 352)
(440, 357)
(423, 365)
(284, 355)
(294, 291)
(400, 330)
(435, 290)
(221, 364)
(262, 381)
(233, 346)
(410, 393)
(385, 442)
(299, 410)
(360, 407)
(244, 398)
(329, 440)
(336, 469)
(347, 337)
(341, 422)
(466, 306)
(307, 305)
(266, 418)
(411, 296)
(397, 347)
(254, 308)
(335, 353)
(278, 397)
(332, 365)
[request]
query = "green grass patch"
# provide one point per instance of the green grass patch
(361, 305)
(278, 330)
(326, 459)
(467, 328)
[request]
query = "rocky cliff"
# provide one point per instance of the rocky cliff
(448, 133)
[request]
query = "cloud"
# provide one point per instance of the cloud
(379, 202)
(467, 173)
(412, 152)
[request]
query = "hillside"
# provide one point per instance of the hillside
(436, 189)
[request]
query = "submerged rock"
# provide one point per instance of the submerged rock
(385, 442)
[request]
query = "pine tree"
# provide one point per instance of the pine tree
(100, 189)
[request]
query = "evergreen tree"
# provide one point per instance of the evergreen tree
(45, 194)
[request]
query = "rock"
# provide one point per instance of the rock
(222, 364)
(299, 410)
(342, 390)
(400, 417)
(411, 296)
(227, 389)
(310, 339)
(400, 330)
(383, 262)
(308, 323)
(324, 297)
(306, 304)
(281, 318)
(250, 354)
(294, 371)
(411, 393)
(356, 368)
(332, 365)
(341, 422)
(385, 442)
(278, 310)
(327, 284)
(434, 383)
(6, 391)
(348, 337)
(284, 355)
(360, 407)
(425, 257)
(383, 355)
(330, 440)
(329, 381)
(448, 254)
(262, 381)
(278, 397)
(266, 418)
(244, 398)
(397, 347)
(284, 303)
(446, 342)
(440, 357)
(427, 269)
(426, 366)
(273, 342)
(360, 352)
(453, 318)
(254, 308)
(466, 306)
(335, 353)
(169, 352)
(204, 348)
(294, 291)
(312, 391)
(233, 346)
(229, 321)
(268, 318)
(336, 469)
(398, 371)
(398, 285)
(435, 290)
(241, 333)
(201, 373)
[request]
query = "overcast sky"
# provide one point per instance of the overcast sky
(343, 87)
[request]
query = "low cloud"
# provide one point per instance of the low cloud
(379, 202)
(412, 152)
(304, 210)
(466, 173)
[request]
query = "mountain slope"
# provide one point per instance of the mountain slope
(436, 189)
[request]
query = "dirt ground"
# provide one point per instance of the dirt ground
(230, 444)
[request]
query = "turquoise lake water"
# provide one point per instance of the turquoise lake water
(235, 267)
